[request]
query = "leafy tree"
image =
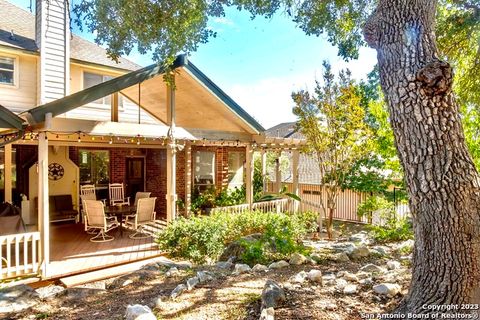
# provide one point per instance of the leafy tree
(417, 81)
(332, 122)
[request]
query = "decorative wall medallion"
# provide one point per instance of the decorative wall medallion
(55, 171)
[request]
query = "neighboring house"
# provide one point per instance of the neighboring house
(71, 116)
(309, 172)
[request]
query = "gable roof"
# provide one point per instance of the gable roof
(17, 30)
(284, 130)
(192, 82)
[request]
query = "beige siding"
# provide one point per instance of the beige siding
(23, 95)
(101, 112)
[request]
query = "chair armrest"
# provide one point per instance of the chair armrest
(104, 201)
(111, 218)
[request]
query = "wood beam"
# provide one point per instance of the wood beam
(295, 165)
(114, 107)
(171, 195)
(43, 209)
(8, 172)
(249, 166)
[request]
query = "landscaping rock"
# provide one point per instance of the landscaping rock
(340, 284)
(315, 276)
(362, 275)
(173, 271)
(366, 281)
(406, 245)
(267, 314)
(178, 291)
(393, 265)
(350, 289)
(299, 277)
(139, 312)
(350, 277)
(241, 268)
(49, 291)
(225, 265)
(17, 298)
(359, 252)
(259, 268)
(372, 268)
(329, 279)
(361, 237)
(279, 264)
(152, 266)
(381, 250)
(346, 247)
(127, 282)
(192, 282)
(237, 248)
(272, 294)
(387, 289)
(340, 257)
(297, 259)
(204, 276)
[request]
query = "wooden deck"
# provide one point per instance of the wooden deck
(71, 252)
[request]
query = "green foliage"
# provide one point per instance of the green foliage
(203, 238)
(376, 203)
(394, 230)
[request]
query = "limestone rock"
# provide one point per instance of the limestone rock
(241, 268)
(299, 277)
(192, 282)
(267, 314)
(315, 276)
(173, 271)
(139, 312)
(17, 298)
(393, 265)
(350, 289)
(372, 268)
(49, 291)
(279, 264)
(350, 277)
(259, 268)
(340, 257)
(359, 252)
(178, 291)
(297, 259)
(340, 284)
(272, 294)
(204, 276)
(387, 289)
(225, 265)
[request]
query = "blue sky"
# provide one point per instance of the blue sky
(260, 62)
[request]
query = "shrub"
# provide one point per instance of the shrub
(203, 238)
(393, 230)
(375, 203)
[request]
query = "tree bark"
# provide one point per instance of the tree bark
(441, 178)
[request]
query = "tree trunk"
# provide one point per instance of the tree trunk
(442, 181)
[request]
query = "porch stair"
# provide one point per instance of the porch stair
(111, 272)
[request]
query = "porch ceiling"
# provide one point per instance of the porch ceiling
(199, 103)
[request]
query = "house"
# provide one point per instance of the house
(71, 116)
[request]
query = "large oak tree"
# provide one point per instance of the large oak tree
(416, 78)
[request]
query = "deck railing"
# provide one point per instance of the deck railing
(19, 254)
(279, 205)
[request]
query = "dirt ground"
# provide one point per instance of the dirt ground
(226, 297)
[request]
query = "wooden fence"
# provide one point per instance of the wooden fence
(347, 201)
(19, 254)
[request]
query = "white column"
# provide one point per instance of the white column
(249, 166)
(278, 173)
(264, 170)
(8, 173)
(43, 216)
(295, 176)
(188, 177)
(171, 157)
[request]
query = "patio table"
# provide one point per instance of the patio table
(120, 211)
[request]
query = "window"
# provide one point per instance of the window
(92, 79)
(204, 176)
(7, 70)
(94, 167)
(236, 162)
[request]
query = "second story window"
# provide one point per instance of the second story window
(7, 70)
(92, 79)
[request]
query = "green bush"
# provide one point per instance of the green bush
(376, 203)
(203, 238)
(393, 230)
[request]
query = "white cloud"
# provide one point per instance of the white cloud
(223, 20)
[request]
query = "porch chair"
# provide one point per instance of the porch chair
(117, 196)
(96, 219)
(87, 192)
(141, 195)
(143, 216)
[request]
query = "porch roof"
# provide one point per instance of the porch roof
(9, 120)
(200, 103)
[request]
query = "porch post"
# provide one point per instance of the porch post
(171, 156)
(43, 209)
(264, 170)
(295, 176)
(8, 172)
(249, 175)
(188, 177)
(278, 173)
